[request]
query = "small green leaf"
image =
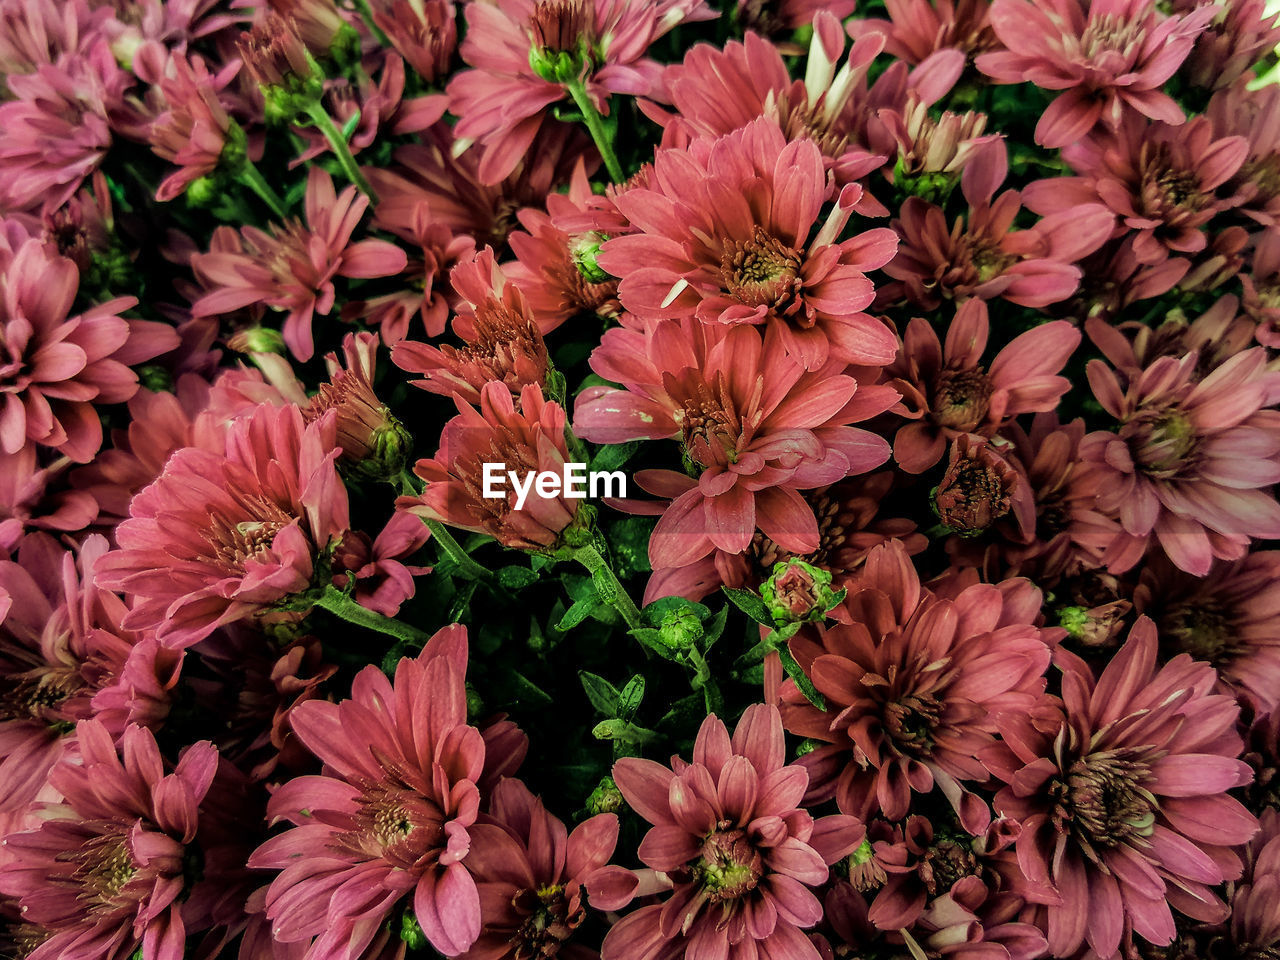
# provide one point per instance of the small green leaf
(715, 628)
(580, 610)
(629, 699)
(614, 455)
(618, 729)
(515, 578)
(803, 683)
(529, 691)
(749, 602)
(603, 695)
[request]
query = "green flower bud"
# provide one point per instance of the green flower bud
(257, 340)
(203, 191)
(411, 932)
(584, 250)
(605, 798)
(475, 703)
(679, 629)
(155, 378)
(798, 592)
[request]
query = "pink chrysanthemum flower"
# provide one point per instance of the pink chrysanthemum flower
(1225, 618)
(754, 424)
(741, 855)
(56, 128)
(33, 496)
(424, 32)
(1109, 58)
(221, 536)
(1241, 34)
(526, 433)
(195, 130)
(523, 52)
(536, 879)
(980, 255)
(58, 368)
(717, 91)
(913, 685)
(1161, 181)
(773, 17)
(64, 657)
(503, 341)
(1255, 900)
(35, 34)
(918, 28)
(948, 392)
(388, 818)
(1262, 287)
(106, 876)
(1191, 458)
(725, 236)
(1123, 796)
(292, 268)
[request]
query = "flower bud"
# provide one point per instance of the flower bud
(1098, 626)
(276, 57)
(977, 489)
(679, 629)
(797, 592)
(605, 798)
(583, 250)
(257, 340)
(411, 933)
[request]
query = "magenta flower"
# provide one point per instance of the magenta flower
(292, 267)
(1108, 59)
(980, 255)
(741, 855)
(1122, 797)
(221, 536)
(527, 437)
(754, 423)
(948, 392)
(58, 368)
(103, 876)
(33, 497)
(725, 236)
(1191, 457)
(536, 879)
(913, 686)
(1133, 172)
(388, 817)
(522, 54)
(1255, 900)
(195, 128)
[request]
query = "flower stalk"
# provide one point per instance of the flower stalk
(315, 112)
(609, 588)
(601, 132)
(341, 605)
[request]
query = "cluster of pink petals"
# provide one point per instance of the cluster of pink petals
(757, 424)
(1109, 58)
(1192, 456)
(741, 856)
(292, 268)
(947, 392)
(57, 367)
(1121, 790)
(914, 683)
(223, 535)
(726, 234)
(502, 102)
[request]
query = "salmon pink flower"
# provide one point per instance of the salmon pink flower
(527, 437)
(1255, 900)
(743, 858)
(1262, 288)
(57, 368)
(981, 256)
(536, 879)
(1191, 458)
(388, 818)
(1161, 181)
(725, 237)
(1238, 111)
(34, 497)
(523, 54)
(1108, 58)
(105, 875)
(754, 424)
(224, 535)
(913, 686)
(292, 267)
(918, 28)
(1123, 797)
(948, 392)
(503, 340)
(980, 486)
(424, 32)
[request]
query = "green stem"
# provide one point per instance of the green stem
(595, 125)
(324, 123)
(366, 14)
(253, 179)
(455, 552)
(614, 592)
(341, 605)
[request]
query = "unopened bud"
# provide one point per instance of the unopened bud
(679, 629)
(605, 798)
(797, 592)
(584, 250)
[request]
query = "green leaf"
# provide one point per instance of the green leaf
(715, 628)
(629, 699)
(652, 639)
(515, 578)
(603, 695)
(528, 691)
(580, 610)
(654, 612)
(749, 602)
(614, 455)
(803, 683)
